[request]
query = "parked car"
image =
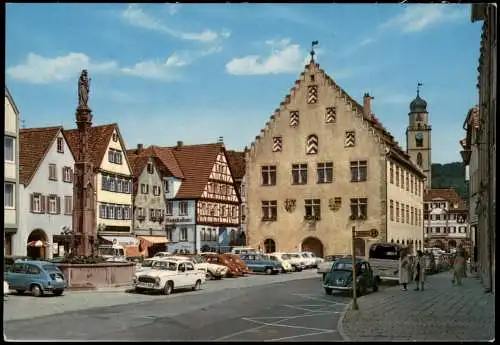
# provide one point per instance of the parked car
(326, 266)
(312, 260)
(236, 260)
(6, 289)
(225, 260)
(212, 270)
(286, 258)
(297, 261)
(340, 277)
(162, 254)
(168, 275)
(36, 276)
(286, 266)
(260, 265)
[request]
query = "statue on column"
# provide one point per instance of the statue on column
(83, 89)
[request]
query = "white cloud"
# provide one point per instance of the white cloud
(41, 70)
(169, 69)
(284, 58)
(416, 18)
(137, 17)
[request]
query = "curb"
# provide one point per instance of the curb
(340, 328)
(124, 288)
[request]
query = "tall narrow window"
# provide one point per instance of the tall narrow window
(60, 145)
(325, 172)
(52, 172)
(299, 173)
(419, 159)
(313, 208)
(9, 149)
(397, 176)
(359, 208)
(391, 210)
(270, 210)
(359, 171)
(268, 175)
(397, 211)
(391, 173)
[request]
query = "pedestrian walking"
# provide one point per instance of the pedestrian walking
(404, 269)
(459, 268)
(419, 271)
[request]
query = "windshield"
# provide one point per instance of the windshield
(147, 263)
(385, 251)
(165, 265)
(50, 268)
(285, 256)
(343, 266)
(304, 255)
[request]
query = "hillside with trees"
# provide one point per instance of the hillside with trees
(450, 175)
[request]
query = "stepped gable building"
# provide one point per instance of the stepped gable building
(322, 164)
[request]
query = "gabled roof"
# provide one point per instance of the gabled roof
(191, 163)
(34, 143)
(448, 194)
(196, 163)
(395, 151)
(99, 137)
(236, 161)
(11, 100)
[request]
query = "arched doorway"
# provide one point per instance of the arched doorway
(313, 245)
(360, 247)
(37, 245)
(438, 244)
(452, 244)
(269, 246)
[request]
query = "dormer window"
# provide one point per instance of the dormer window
(60, 145)
(115, 137)
(166, 186)
(150, 168)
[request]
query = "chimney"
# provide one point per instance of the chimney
(140, 147)
(367, 105)
(179, 144)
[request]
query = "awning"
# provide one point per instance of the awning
(121, 240)
(153, 239)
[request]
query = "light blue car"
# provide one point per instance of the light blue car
(38, 277)
(258, 264)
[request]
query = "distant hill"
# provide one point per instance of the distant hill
(450, 175)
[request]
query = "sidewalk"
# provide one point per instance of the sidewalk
(442, 312)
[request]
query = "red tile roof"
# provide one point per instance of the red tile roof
(196, 163)
(448, 194)
(33, 146)
(236, 161)
(99, 138)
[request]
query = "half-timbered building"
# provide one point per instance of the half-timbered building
(202, 204)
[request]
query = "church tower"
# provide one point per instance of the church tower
(418, 136)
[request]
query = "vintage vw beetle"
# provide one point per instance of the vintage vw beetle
(340, 277)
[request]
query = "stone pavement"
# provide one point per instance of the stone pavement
(443, 312)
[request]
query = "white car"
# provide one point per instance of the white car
(297, 261)
(147, 264)
(168, 275)
(212, 271)
(313, 260)
(283, 259)
(5, 288)
(162, 254)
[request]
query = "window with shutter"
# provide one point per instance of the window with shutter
(43, 204)
(58, 205)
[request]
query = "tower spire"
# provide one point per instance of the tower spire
(313, 43)
(419, 84)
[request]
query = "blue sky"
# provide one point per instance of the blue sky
(168, 72)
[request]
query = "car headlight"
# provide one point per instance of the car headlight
(157, 279)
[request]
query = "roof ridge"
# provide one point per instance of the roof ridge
(35, 129)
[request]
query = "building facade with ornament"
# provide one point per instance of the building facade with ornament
(324, 163)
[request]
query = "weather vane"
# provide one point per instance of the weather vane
(314, 43)
(418, 88)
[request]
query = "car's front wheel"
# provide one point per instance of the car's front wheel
(197, 285)
(36, 291)
(328, 291)
(169, 288)
(269, 270)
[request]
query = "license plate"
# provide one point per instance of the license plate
(147, 285)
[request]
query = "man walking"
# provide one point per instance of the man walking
(419, 271)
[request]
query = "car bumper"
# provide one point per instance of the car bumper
(340, 288)
(148, 286)
(52, 287)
